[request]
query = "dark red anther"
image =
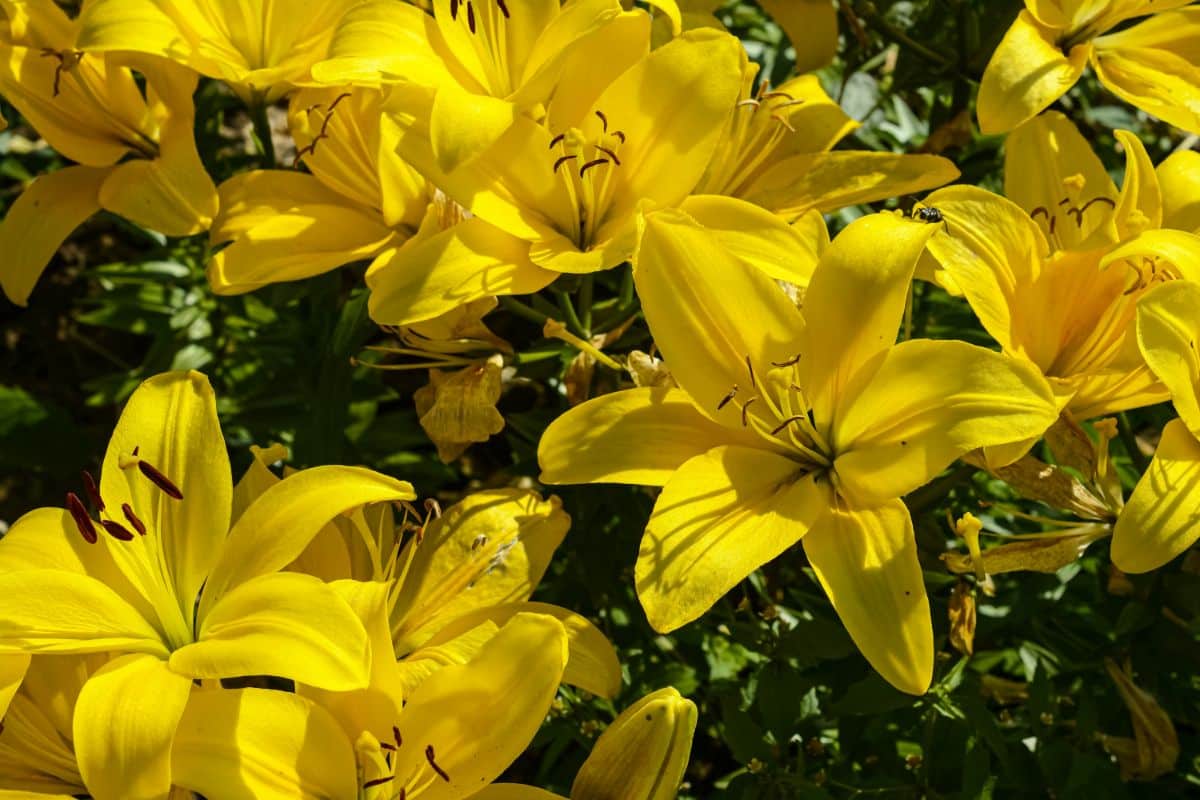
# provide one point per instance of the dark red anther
(136, 447)
(557, 139)
(593, 163)
(137, 524)
(562, 161)
(503, 8)
(429, 757)
(377, 782)
(470, 16)
(610, 154)
(620, 135)
(117, 530)
(603, 120)
(89, 484)
(159, 480)
(386, 746)
(83, 521)
(453, 9)
(396, 735)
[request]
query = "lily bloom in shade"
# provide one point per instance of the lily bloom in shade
(571, 187)
(1055, 278)
(135, 153)
(159, 578)
(1151, 65)
(489, 61)
(792, 428)
(641, 756)
(1160, 520)
(777, 152)
(261, 48)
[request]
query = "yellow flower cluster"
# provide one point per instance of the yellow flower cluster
(316, 635)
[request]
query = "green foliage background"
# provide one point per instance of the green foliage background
(789, 709)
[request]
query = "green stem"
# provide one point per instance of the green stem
(262, 132)
(874, 20)
(586, 288)
(1129, 439)
(523, 310)
(568, 309)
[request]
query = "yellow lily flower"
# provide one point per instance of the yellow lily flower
(777, 152)
(489, 61)
(641, 756)
(571, 187)
(261, 48)
(791, 427)
(1151, 65)
(361, 201)
(165, 583)
(1055, 278)
(454, 735)
(1159, 521)
(135, 153)
(477, 563)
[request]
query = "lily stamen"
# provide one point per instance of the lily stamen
(791, 362)
(593, 163)
(83, 520)
(311, 147)
(745, 409)
(429, 757)
(728, 398)
(563, 160)
(137, 524)
(89, 485)
(158, 479)
(116, 530)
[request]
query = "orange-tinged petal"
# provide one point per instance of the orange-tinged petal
(866, 560)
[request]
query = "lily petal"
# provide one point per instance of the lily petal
(438, 271)
(171, 421)
(1140, 206)
(993, 249)
(285, 226)
(462, 125)
(829, 181)
(1179, 178)
(1027, 73)
(260, 744)
(1162, 517)
(13, 667)
(492, 547)
(54, 611)
(811, 26)
(866, 560)
(720, 517)
(277, 527)
(710, 313)
(635, 436)
(30, 235)
(171, 194)
(592, 663)
(1167, 329)
(286, 625)
(1153, 66)
(929, 403)
(496, 791)
(382, 41)
(473, 720)
(854, 304)
(756, 236)
(125, 721)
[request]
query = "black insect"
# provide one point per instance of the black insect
(928, 214)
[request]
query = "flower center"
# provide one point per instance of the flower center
(587, 169)
(1074, 212)
(390, 779)
(757, 127)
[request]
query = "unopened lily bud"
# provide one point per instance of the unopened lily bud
(643, 754)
